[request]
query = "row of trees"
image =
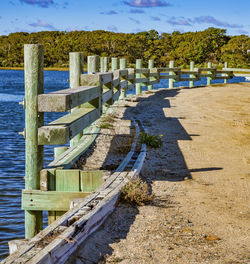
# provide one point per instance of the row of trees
(211, 44)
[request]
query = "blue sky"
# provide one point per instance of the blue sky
(124, 15)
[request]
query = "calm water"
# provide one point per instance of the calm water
(12, 146)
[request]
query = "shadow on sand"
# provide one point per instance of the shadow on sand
(164, 164)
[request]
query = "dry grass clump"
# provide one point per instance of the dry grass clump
(106, 125)
(109, 118)
(107, 121)
(123, 143)
(136, 192)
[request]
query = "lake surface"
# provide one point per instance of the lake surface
(13, 145)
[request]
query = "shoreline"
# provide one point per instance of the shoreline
(22, 68)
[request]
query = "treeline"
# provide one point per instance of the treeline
(211, 44)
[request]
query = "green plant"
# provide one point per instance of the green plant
(106, 125)
(136, 192)
(151, 140)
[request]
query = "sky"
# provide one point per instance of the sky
(128, 16)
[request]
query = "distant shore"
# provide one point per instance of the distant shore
(46, 69)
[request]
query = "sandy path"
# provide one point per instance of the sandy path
(201, 179)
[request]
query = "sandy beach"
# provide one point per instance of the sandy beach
(200, 177)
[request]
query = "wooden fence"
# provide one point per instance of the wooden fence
(52, 188)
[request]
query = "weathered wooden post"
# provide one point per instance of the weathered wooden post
(150, 66)
(114, 64)
(76, 61)
(225, 68)
(33, 68)
(191, 83)
(209, 79)
(138, 86)
(93, 64)
(171, 80)
(123, 65)
(93, 67)
(104, 64)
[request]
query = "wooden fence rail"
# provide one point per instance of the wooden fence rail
(89, 95)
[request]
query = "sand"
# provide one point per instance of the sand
(200, 178)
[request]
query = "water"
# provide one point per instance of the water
(12, 149)
(12, 145)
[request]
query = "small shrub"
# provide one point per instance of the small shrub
(136, 192)
(123, 143)
(150, 140)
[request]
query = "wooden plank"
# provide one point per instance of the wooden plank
(123, 73)
(107, 96)
(192, 75)
(168, 76)
(236, 69)
(33, 69)
(141, 80)
(116, 82)
(48, 230)
(90, 180)
(221, 77)
(49, 201)
(206, 69)
(154, 74)
(47, 180)
(143, 71)
(114, 64)
(90, 79)
(221, 72)
(80, 229)
(59, 249)
(68, 180)
(64, 100)
(242, 74)
(131, 86)
(153, 82)
(131, 75)
(123, 84)
(206, 75)
(93, 63)
(65, 128)
(116, 95)
(67, 159)
(106, 77)
(76, 60)
(138, 86)
(188, 79)
(169, 69)
(190, 72)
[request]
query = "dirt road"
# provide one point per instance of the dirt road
(200, 178)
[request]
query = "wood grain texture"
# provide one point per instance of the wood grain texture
(33, 69)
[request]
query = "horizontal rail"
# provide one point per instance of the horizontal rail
(60, 131)
(64, 100)
(242, 74)
(67, 158)
(236, 70)
(175, 69)
(37, 200)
